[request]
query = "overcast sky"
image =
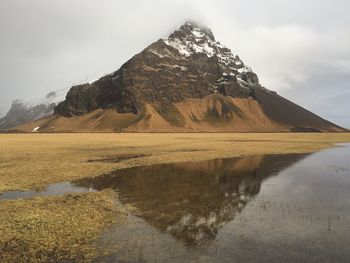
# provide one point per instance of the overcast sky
(299, 48)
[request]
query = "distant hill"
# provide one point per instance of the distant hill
(188, 82)
(27, 111)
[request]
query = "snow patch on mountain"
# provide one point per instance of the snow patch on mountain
(2, 113)
(96, 77)
(35, 129)
(192, 39)
(174, 66)
(183, 48)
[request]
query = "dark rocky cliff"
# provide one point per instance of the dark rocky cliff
(188, 64)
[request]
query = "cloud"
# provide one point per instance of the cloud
(342, 65)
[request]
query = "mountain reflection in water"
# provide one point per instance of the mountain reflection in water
(191, 201)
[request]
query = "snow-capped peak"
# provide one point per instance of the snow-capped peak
(191, 39)
(198, 31)
(52, 97)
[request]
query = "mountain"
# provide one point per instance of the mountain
(27, 111)
(188, 82)
(2, 112)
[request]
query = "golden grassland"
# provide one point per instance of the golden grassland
(57, 228)
(64, 228)
(34, 160)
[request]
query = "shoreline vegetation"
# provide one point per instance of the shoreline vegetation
(57, 228)
(68, 227)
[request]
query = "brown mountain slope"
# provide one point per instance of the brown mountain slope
(214, 113)
(188, 82)
(292, 115)
(210, 114)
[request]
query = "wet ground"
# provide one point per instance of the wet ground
(274, 208)
(53, 189)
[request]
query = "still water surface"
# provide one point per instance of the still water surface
(273, 208)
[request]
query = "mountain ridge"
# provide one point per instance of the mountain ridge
(23, 111)
(188, 82)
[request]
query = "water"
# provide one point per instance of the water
(274, 208)
(279, 208)
(53, 189)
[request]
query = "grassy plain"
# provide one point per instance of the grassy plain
(35, 160)
(57, 228)
(66, 227)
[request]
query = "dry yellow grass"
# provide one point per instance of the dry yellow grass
(35, 160)
(56, 229)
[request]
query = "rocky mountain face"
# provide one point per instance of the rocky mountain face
(188, 64)
(23, 112)
(186, 82)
